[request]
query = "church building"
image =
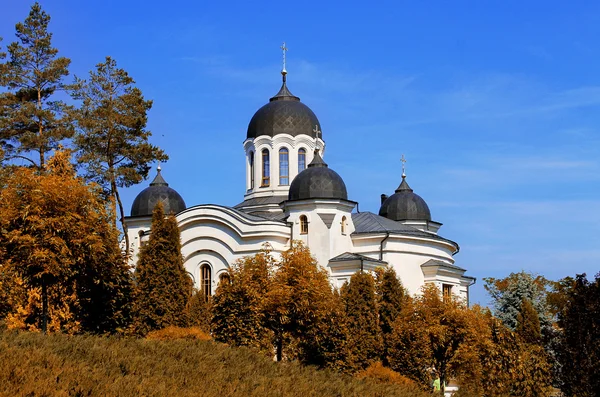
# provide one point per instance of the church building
(291, 193)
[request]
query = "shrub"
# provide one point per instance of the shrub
(381, 374)
(172, 333)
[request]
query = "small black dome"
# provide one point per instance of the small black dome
(405, 205)
(159, 190)
(284, 114)
(318, 181)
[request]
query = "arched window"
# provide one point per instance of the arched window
(284, 167)
(303, 224)
(343, 225)
(251, 170)
(205, 280)
(301, 159)
(266, 168)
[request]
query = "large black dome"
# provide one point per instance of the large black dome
(317, 181)
(159, 190)
(284, 114)
(405, 205)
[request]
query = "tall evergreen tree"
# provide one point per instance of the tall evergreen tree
(34, 120)
(364, 338)
(59, 253)
(304, 311)
(199, 311)
(580, 342)
(508, 294)
(239, 310)
(528, 324)
(391, 296)
(112, 139)
(163, 287)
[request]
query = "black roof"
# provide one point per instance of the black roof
(318, 181)
(368, 222)
(255, 201)
(349, 256)
(405, 205)
(159, 190)
(433, 263)
(284, 114)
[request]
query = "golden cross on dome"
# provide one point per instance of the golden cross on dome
(403, 166)
(317, 133)
(284, 49)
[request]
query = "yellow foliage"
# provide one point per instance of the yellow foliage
(379, 373)
(57, 241)
(172, 332)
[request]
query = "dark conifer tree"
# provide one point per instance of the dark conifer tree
(199, 311)
(364, 338)
(304, 312)
(580, 343)
(528, 324)
(391, 297)
(163, 287)
(239, 307)
(33, 119)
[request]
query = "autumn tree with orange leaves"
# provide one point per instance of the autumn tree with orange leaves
(59, 253)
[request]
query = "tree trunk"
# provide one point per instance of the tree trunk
(122, 216)
(44, 306)
(443, 381)
(40, 129)
(279, 347)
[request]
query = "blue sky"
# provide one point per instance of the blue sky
(495, 104)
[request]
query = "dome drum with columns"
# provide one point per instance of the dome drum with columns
(292, 194)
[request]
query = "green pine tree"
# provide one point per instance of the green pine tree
(163, 287)
(112, 139)
(528, 324)
(33, 119)
(364, 337)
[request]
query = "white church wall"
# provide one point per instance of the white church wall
(324, 242)
(218, 236)
(406, 254)
(134, 227)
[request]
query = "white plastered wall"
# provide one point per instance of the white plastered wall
(323, 242)
(406, 254)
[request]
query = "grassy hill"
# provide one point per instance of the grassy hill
(32, 364)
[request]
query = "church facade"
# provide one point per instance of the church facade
(292, 194)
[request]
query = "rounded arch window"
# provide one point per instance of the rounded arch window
(284, 166)
(301, 159)
(205, 280)
(344, 225)
(251, 170)
(266, 168)
(303, 224)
